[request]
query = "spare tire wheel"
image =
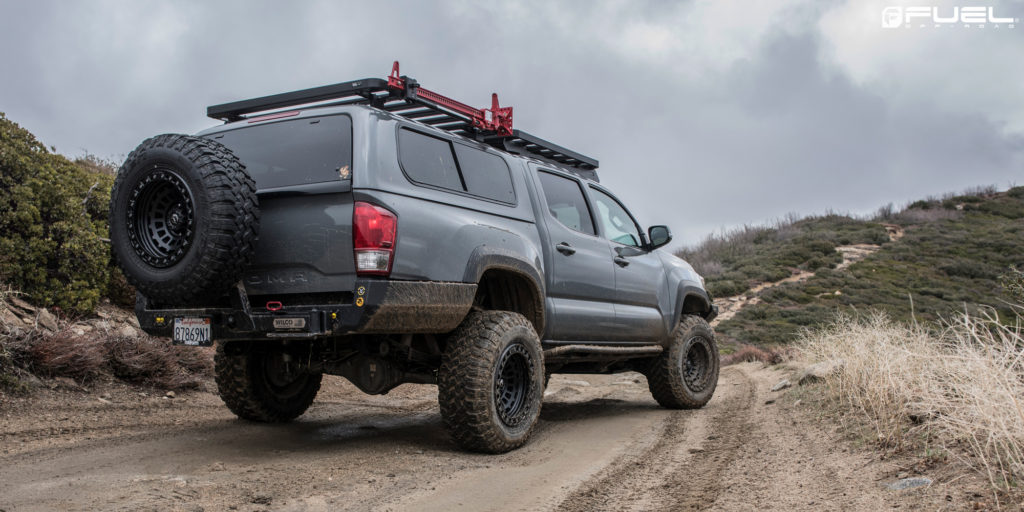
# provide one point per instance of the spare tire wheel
(184, 218)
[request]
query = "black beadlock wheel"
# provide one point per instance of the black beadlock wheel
(697, 364)
(512, 384)
(265, 385)
(184, 219)
(686, 374)
(491, 381)
(161, 218)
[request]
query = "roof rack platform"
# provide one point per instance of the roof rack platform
(404, 97)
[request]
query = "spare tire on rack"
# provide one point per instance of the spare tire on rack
(184, 219)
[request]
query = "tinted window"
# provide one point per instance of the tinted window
(428, 160)
(486, 175)
(566, 203)
(615, 221)
(294, 152)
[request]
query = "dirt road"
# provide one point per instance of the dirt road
(602, 444)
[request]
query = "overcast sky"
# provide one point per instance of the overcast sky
(704, 115)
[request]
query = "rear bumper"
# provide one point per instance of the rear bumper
(377, 306)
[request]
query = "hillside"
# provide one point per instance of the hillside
(951, 257)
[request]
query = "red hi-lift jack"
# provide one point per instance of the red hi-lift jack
(495, 119)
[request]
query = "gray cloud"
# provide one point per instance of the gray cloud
(704, 114)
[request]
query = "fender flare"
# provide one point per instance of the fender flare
(485, 258)
(690, 291)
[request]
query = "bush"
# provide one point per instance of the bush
(53, 222)
(87, 357)
(750, 353)
(1013, 284)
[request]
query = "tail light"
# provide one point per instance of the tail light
(373, 237)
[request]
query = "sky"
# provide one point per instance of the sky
(705, 115)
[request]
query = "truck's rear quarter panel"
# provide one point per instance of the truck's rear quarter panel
(439, 231)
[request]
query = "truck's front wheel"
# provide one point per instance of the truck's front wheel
(269, 386)
(491, 381)
(686, 374)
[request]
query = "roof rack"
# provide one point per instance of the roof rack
(404, 97)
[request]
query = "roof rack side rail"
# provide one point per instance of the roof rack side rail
(235, 110)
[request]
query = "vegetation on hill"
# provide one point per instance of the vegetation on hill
(952, 256)
(734, 262)
(53, 224)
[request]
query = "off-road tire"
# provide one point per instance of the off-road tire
(242, 382)
(667, 377)
(468, 389)
(216, 240)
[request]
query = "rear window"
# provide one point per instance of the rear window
(294, 152)
(441, 163)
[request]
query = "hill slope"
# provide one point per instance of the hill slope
(952, 256)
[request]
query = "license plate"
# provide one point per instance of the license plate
(192, 331)
(289, 323)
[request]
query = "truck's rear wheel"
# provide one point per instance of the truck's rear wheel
(491, 381)
(685, 375)
(183, 218)
(267, 386)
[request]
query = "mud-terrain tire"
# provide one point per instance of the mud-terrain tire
(491, 381)
(256, 386)
(686, 374)
(183, 218)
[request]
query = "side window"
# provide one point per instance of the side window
(486, 175)
(428, 160)
(566, 202)
(618, 226)
(438, 162)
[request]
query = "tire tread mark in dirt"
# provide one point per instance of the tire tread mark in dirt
(665, 476)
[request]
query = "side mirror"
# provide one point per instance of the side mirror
(659, 236)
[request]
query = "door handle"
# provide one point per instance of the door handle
(622, 262)
(565, 249)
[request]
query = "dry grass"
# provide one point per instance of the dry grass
(960, 383)
(86, 357)
(750, 353)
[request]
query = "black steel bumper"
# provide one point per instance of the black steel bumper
(376, 306)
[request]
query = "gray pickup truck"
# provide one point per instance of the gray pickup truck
(379, 231)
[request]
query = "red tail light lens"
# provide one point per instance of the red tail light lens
(373, 238)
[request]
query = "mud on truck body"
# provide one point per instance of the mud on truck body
(382, 232)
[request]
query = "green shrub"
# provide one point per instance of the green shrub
(968, 269)
(1008, 209)
(725, 288)
(1013, 284)
(53, 222)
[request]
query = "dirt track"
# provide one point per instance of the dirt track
(602, 444)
